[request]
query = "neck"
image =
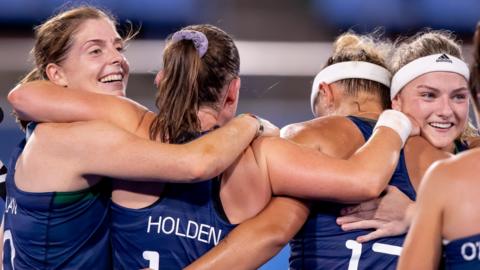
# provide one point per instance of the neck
(449, 148)
(369, 107)
(208, 118)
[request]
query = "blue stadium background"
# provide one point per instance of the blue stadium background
(280, 93)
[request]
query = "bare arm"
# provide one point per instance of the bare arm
(103, 149)
(293, 165)
(44, 101)
(317, 176)
(422, 248)
(257, 239)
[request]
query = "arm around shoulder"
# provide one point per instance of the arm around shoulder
(104, 149)
(302, 172)
(44, 101)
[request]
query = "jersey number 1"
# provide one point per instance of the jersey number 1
(153, 259)
(377, 247)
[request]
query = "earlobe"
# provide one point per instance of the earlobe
(56, 75)
(158, 78)
(397, 103)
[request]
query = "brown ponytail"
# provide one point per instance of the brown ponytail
(190, 81)
(177, 97)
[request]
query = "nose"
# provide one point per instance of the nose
(445, 107)
(116, 57)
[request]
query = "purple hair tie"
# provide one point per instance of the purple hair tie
(199, 40)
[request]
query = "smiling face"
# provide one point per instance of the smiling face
(95, 61)
(438, 101)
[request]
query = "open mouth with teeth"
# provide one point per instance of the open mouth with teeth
(112, 78)
(441, 125)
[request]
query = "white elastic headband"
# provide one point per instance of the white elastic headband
(349, 70)
(423, 65)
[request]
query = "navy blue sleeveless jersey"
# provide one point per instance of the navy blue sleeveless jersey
(56, 230)
(183, 224)
(462, 253)
(322, 244)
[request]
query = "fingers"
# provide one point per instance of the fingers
(358, 216)
(386, 230)
(372, 236)
(348, 219)
(363, 224)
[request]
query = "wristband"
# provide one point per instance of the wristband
(397, 121)
(260, 128)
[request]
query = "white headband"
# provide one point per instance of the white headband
(349, 70)
(431, 63)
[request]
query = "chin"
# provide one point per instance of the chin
(444, 143)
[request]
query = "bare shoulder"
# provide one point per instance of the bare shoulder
(77, 135)
(418, 144)
(419, 156)
(452, 173)
(315, 126)
(44, 130)
(325, 134)
(462, 166)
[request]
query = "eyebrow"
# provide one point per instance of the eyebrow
(463, 88)
(102, 41)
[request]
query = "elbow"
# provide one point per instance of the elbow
(278, 237)
(16, 98)
(273, 237)
(370, 188)
(20, 101)
(203, 168)
(369, 194)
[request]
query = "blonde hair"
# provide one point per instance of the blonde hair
(427, 43)
(367, 48)
(423, 44)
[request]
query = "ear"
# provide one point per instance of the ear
(327, 95)
(56, 75)
(228, 106)
(158, 78)
(233, 91)
(397, 102)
